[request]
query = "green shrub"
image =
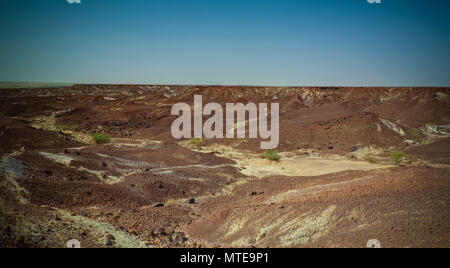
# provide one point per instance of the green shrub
(272, 155)
(397, 157)
(100, 138)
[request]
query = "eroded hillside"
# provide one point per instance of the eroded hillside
(335, 185)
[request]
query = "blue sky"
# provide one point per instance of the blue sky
(252, 42)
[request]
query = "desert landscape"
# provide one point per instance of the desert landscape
(355, 164)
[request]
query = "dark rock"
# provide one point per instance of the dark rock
(111, 237)
(256, 193)
(21, 242)
(159, 205)
(7, 230)
(160, 231)
(180, 236)
(110, 241)
(192, 201)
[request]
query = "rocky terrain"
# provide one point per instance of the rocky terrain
(335, 185)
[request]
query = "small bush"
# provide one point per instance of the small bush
(397, 157)
(196, 141)
(100, 138)
(272, 155)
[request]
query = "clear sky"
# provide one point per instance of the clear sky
(252, 42)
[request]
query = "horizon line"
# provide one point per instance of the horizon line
(70, 84)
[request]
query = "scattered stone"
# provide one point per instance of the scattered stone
(21, 242)
(7, 230)
(110, 240)
(111, 237)
(134, 233)
(256, 193)
(180, 236)
(160, 231)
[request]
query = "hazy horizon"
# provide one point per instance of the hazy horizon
(62, 84)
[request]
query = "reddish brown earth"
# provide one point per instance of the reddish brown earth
(335, 185)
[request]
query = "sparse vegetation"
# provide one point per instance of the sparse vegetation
(172, 201)
(196, 142)
(101, 138)
(371, 159)
(397, 157)
(67, 127)
(440, 96)
(272, 155)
